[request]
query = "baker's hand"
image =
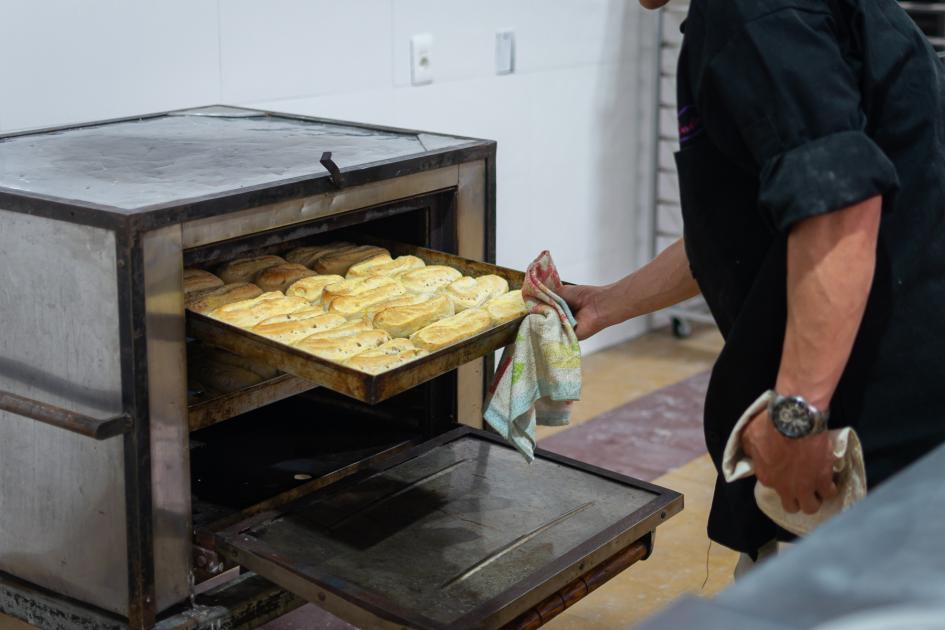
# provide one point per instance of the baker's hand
(584, 301)
(801, 471)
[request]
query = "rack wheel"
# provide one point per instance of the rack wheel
(681, 328)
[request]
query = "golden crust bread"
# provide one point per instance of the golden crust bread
(352, 327)
(339, 262)
(355, 286)
(227, 294)
(403, 321)
(429, 279)
(311, 253)
(259, 311)
(451, 330)
(237, 306)
(294, 327)
(198, 280)
(407, 299)
(383, 265)
(341, 348)
(281, 277)
(245, 269)
(312, 287)
(352, 306)
(506, 307)
(394, 353)
(471, 292)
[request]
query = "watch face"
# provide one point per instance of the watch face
(792, 417)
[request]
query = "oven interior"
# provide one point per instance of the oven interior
(255, 447)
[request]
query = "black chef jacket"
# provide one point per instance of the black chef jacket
(789, 109)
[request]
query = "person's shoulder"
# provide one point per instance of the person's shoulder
(716, 22)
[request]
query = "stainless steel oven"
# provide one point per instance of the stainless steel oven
(133, 494)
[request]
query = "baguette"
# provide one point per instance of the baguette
(354, 306)
(355, 286)
(474, 292)
(308, 255)
(394, 353)
(383, 265)
(339, 262)
(261, 310)
(451, 330)
(227, 294)
(506, 307)
(281, 277)
(340, 348)
(429, 279)
(237, 306)
(352, 327)
(312, 287)
(245, 269)
(199, 281)
(294, 327)
(407, 299)
(403, 321)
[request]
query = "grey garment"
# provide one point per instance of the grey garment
(746, 564)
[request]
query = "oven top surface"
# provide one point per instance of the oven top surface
(133, 165)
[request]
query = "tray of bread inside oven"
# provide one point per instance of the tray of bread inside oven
(365, 320)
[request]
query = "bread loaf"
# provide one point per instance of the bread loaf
(394, 353)
(238, 306)
(227, 294)
(355, 286)
(403, 321)
(407, 299)
(312, 287)
(245, 269)
(294, 327)
(382, 265)
(281, 277)
(506, 307)
(309, 254)
(261, 310)
(352, 327)
(474, 292)
(451, 330)
(340, 348)
(355, 306)
(339, 262)
(198, 280)
(429, 279)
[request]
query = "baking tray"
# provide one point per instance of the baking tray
(458, 532)
(367, 388)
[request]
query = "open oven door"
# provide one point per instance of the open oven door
(458, 532)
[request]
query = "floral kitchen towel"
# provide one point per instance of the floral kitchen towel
(539, 375)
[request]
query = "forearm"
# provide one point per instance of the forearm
(664, 281)
(830, 263)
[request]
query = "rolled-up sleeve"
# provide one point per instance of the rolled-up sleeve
(796, 106)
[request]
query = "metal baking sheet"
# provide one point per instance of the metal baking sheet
(457, 533)
(368, 388)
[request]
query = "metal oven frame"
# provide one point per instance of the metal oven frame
(150, 245)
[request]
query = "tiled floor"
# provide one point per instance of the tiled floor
(683, 560)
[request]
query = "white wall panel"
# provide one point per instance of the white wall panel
(67, 61)
(286, 48)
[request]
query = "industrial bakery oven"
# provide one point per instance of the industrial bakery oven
(159, 469)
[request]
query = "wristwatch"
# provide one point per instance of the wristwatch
(794, 417)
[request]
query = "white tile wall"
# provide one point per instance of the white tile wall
(289, 48)
(66, 61)
(574, 123)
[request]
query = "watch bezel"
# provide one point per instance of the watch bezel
(793, 428)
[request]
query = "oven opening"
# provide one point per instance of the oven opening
(261, 438)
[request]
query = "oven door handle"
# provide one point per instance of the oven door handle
(97, 428)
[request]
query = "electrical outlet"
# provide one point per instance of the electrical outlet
(505, 52)
(421, 59)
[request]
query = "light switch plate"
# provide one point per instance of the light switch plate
(505, 52)
(421, 59)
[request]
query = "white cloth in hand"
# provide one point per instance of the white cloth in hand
(849, 474)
